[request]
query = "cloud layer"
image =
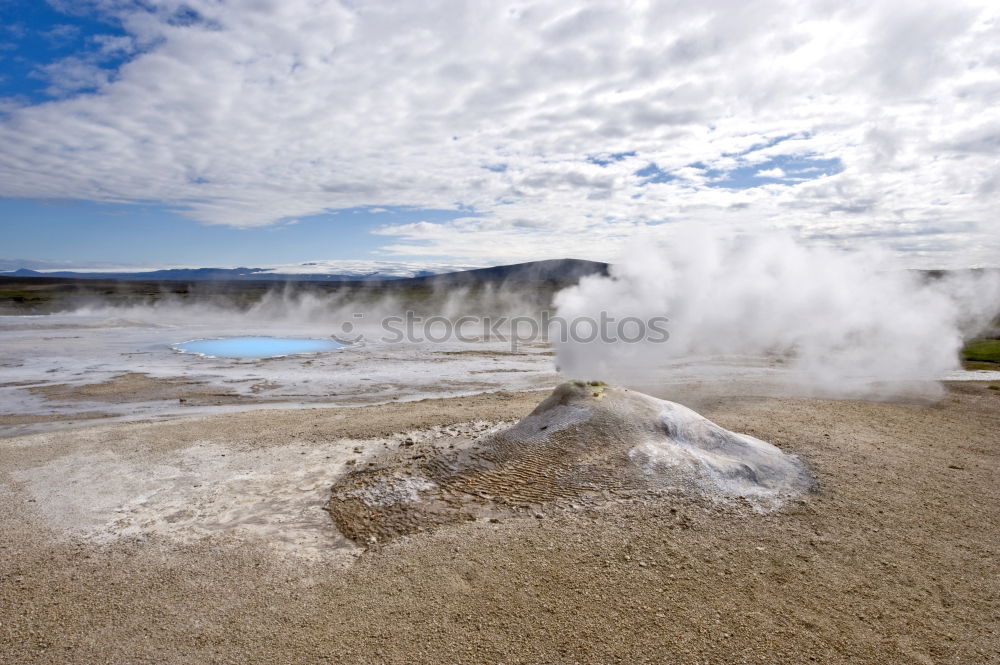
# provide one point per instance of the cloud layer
(564, 128)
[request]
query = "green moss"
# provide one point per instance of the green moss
(982, 350)
(982, 354)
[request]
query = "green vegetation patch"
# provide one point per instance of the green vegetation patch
(981, 352)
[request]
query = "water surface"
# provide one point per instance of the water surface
(256, 347)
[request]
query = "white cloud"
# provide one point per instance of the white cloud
(246, 113)
(72, 74)
(382, 268)
(318, 267)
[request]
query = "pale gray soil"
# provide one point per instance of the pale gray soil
(892, 559)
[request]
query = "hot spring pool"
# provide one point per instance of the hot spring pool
(256, 347)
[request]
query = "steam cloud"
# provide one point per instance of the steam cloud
(834, 323)
(759, 309)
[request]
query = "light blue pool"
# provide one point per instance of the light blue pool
(256, 347)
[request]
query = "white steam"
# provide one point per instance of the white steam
(827, 322)
(301, 309)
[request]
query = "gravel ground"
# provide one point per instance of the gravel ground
(892, 559)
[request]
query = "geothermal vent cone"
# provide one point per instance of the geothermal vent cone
(586, 443)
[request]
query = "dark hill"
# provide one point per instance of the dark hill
(555, 270)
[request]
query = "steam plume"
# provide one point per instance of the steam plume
(834, 323)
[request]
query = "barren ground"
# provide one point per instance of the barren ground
(893, 559)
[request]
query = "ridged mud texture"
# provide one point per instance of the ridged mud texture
(586, 443)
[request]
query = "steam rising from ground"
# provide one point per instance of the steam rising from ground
(744, 313)
(304, 310)
(843, 324)
(112, 354)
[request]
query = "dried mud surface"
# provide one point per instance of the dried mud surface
(136, 387)
(586, 444)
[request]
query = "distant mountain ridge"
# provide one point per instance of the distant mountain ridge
(205, 274)
(560, 270)
(552, 270)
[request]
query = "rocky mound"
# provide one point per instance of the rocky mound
(585, 443)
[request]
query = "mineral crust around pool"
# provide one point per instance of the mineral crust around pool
(586, 443)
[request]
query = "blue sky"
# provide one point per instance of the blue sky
(34, 35)
(88, 234)
(169, 132)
